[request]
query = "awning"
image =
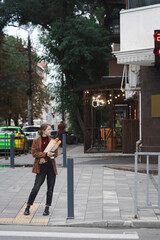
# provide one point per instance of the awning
(107, 82)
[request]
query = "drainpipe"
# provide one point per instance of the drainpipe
(140, 116)
(127, 4)
(139, 142)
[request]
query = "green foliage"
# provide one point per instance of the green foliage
(81, 47)
(67, 103)
(13, 62)
(98, 15)
(75, 39)
(115, 13)
(14, 82)
(39, 12)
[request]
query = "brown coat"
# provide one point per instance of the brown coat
(37, 154)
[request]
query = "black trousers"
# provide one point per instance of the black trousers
(46, 170)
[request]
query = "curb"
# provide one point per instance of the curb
(110, 224)
(117, 224)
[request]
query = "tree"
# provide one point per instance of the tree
(74, 34)
(13, 80)
(60, 18)
(82, 53)
(12, 75)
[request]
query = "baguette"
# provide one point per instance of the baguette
(51, 147)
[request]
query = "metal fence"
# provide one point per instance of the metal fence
(150, 179)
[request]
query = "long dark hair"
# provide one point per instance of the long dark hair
(43, 127)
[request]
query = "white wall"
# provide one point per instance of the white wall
(137, 27)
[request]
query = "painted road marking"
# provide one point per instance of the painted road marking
(22, 219)
(124, 235)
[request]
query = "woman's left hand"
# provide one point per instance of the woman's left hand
(49, 154)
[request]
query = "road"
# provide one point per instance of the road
(17, 232)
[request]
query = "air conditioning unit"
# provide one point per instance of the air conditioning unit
(130, 80)
(133, 76)
(128, 93)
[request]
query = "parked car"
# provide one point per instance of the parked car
(20, 139)
(31, 131)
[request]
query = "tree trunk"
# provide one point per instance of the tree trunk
(8, 121)
(16, 122)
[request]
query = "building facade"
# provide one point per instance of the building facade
(137, 26)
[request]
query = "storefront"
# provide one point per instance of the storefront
(105, 110)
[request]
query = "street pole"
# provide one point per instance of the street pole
(62, 101)
(12, 151)
(64, 149)
(70, 188)
(29, 91)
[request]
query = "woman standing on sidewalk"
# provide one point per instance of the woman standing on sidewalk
(44, 167)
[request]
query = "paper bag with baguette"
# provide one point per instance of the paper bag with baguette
(51, 147)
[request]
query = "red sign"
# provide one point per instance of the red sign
(157, 36)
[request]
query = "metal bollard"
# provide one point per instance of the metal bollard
(12, 151)
(6, 146)
(70, 188)
(64, 149)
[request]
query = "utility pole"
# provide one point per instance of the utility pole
(62, 102)
(29, 91)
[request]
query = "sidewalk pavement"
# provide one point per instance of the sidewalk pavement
(103, 195)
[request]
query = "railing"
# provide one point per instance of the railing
(149, 178)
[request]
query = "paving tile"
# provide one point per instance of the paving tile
(100, 193)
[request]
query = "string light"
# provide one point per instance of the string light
(98, 100)
(115, 97)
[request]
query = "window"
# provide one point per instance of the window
(8, 130)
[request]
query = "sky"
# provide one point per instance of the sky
(21, 33)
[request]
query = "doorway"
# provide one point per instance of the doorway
(103, 124)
